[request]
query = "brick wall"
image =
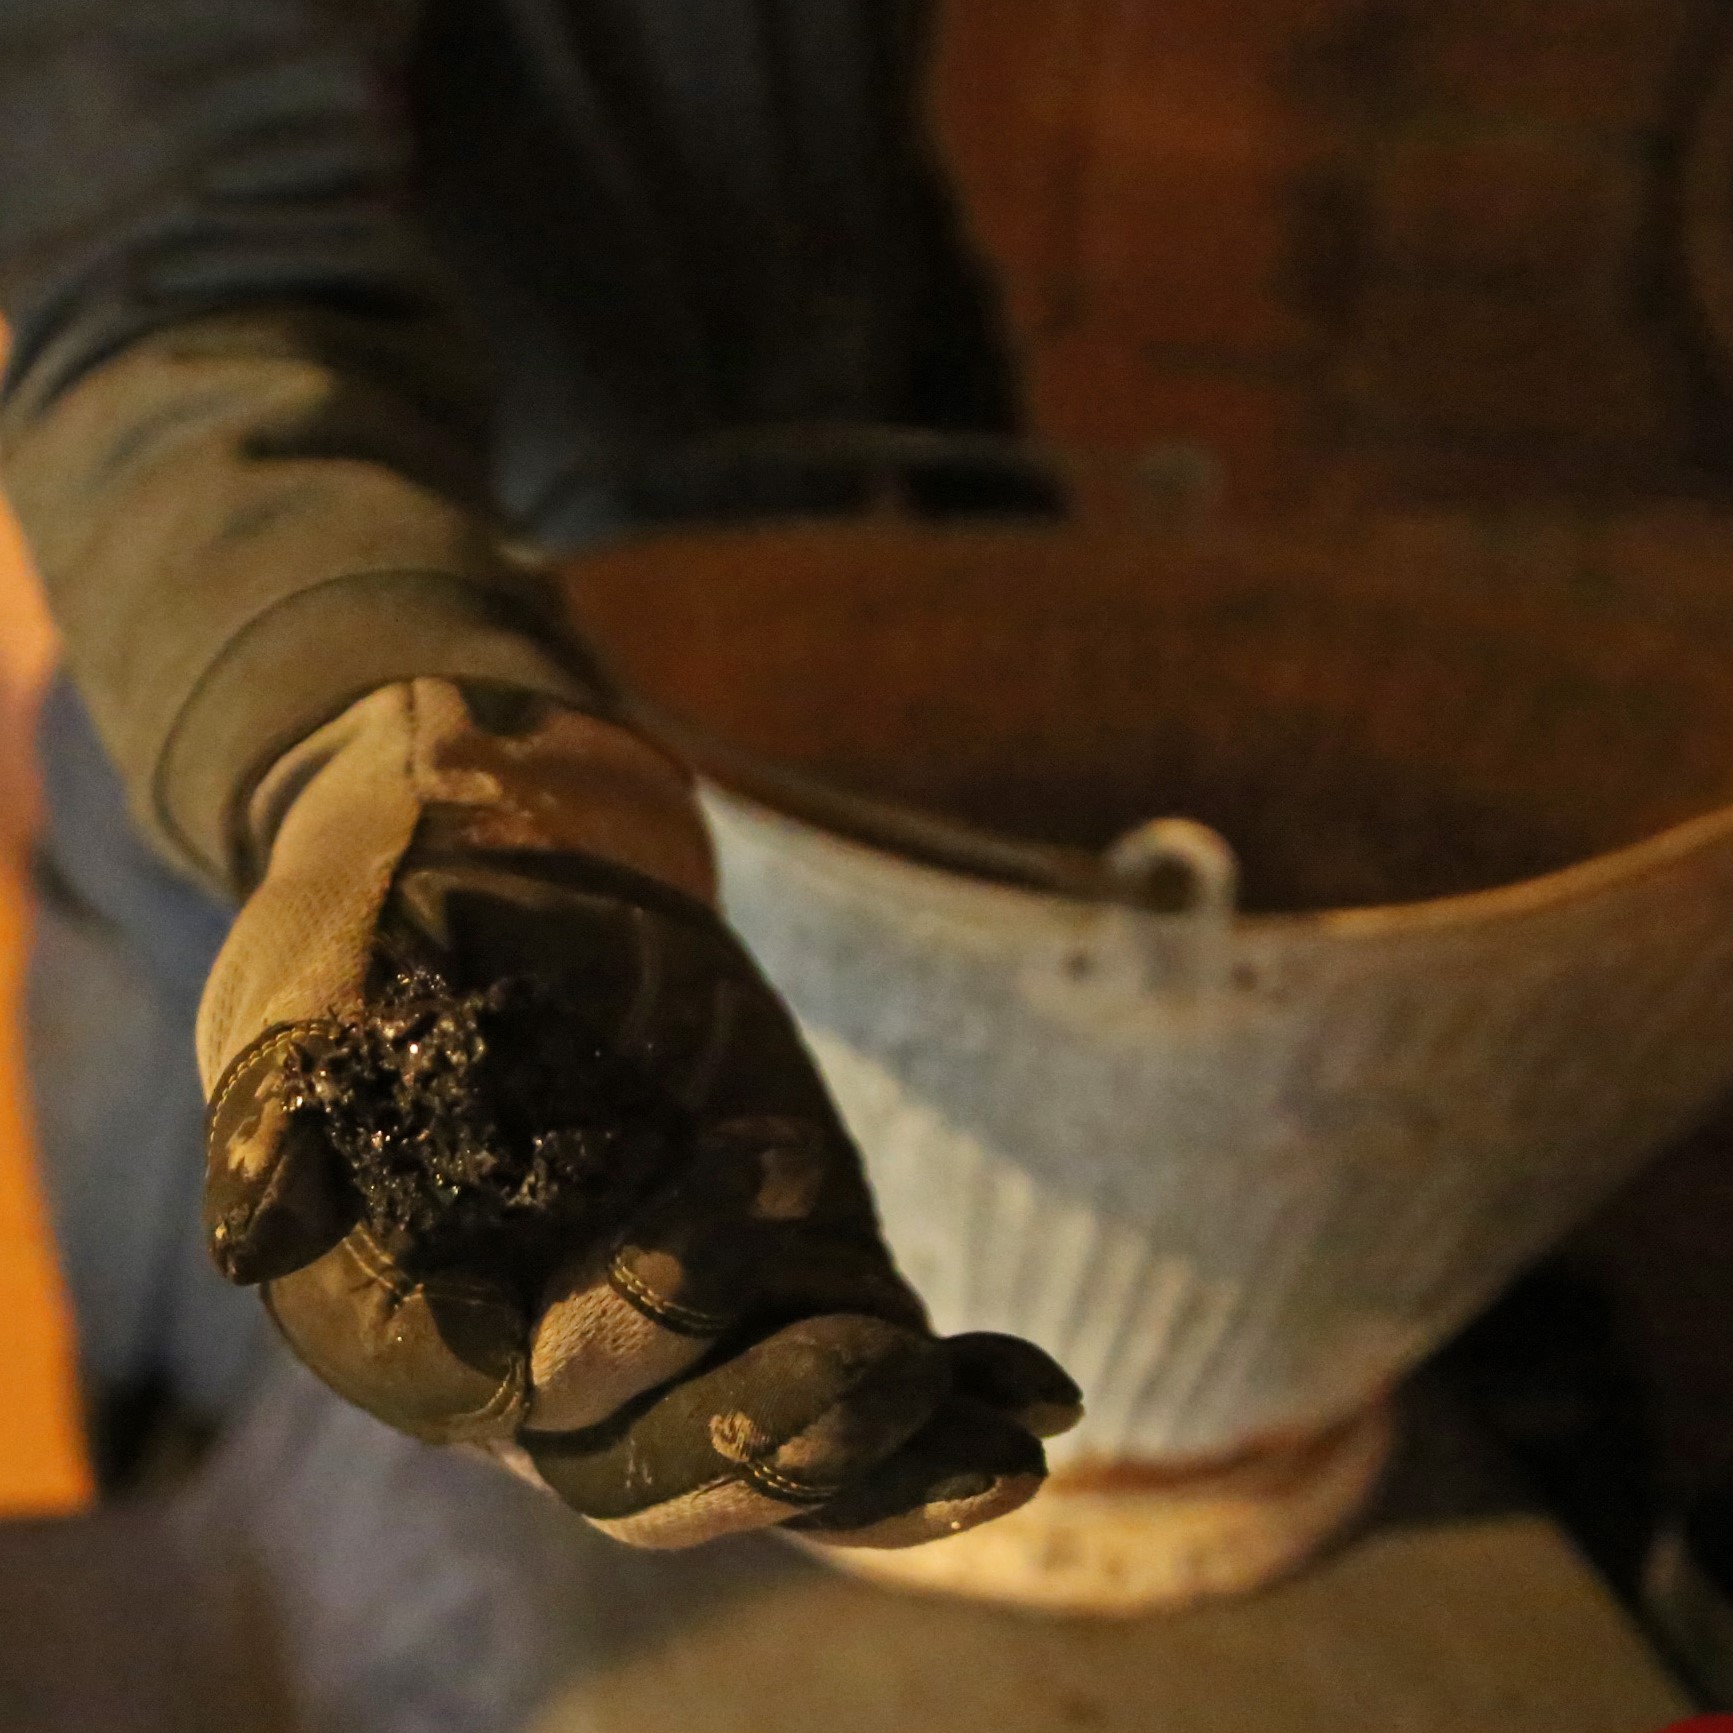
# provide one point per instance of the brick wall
(1364, 246)
(42, 1465)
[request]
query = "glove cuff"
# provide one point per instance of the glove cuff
(491, 768)
(501, 768)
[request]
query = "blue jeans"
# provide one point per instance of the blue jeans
(120, 954)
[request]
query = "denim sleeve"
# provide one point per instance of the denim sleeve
(238, 422)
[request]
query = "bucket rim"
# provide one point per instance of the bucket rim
(1036, 873)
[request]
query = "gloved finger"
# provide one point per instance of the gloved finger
(440, 1355)
(736, 1225)
(968, 1465)
(594, 1348)
(812, 1243)
(276, 1195)
(778, 1429)
(1023, 1382)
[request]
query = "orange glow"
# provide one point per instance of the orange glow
(43, 1467)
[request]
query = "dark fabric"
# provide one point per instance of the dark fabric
(307, 297)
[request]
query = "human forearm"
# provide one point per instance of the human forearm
(241, 533)
(243, 431)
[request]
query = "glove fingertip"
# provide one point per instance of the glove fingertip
(276, 1196)
(968, 1466)
(1021, 1381)
(439, 1356)
(754, 1440)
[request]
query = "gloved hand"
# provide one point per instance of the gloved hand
(525, 1153)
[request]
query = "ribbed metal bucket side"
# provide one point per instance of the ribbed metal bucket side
(1246, 1213)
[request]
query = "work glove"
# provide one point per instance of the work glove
(524, 1153)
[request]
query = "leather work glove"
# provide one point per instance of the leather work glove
(524, 1153)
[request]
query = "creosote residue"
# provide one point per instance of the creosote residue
(482, 1123)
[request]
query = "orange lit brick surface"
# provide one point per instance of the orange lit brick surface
(42, 1463)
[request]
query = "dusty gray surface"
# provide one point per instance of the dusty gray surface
(1456, 1610)
(1490, 1626)
(355, 1575)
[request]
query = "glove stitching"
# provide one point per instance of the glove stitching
(378, 1263)
(375, 1263)
(501, 1402)
(262, 1048)
(689, 1320)
(773, 1481)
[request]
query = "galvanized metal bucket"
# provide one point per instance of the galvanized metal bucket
(1239, 1112)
